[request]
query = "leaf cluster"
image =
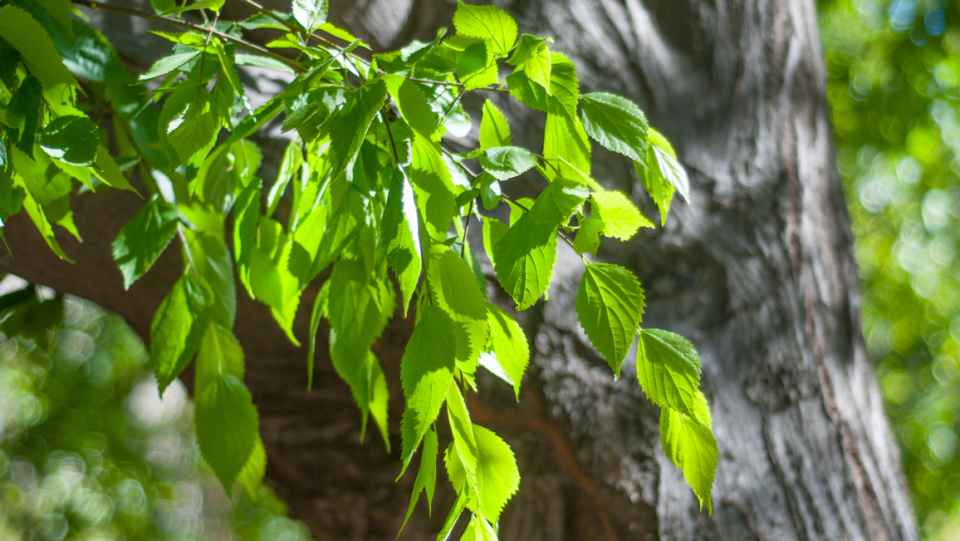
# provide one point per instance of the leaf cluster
(368, 187)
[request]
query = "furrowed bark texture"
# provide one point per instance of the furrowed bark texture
(757, 271)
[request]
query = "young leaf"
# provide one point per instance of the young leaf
(557, 203)
(400, 234)
(427, 476)
(497, 473)
(251, 476)
(39, 219)
(178, 327)
(37, 51)
(246, 217)
(620, 217)
(588, 236)
(412, 104)
(505, 163)
(71, 139)
(668, 368)
(197, 130)
(348, 126)
(310, 13)
(488, 23)
(660, 191)
(524, 259)
(219, 353)
(527, 92)
(433, 187)
(509, 345)
(616, 123)
(479, 530)
(494, 130)
(426, 371)
(489, 191)
(210, 257)
(455, 289)
(609, 308)
(693, 449)
(167, 64)
(143, 239)
(527, 48)
(458, 506)
(493, 231)
(665, 160)
(227, 427)
(566, 148)
(476, 68)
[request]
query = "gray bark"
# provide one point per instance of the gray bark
(757, 271)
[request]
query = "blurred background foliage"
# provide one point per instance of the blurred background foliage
(88, 451)
(893, 71)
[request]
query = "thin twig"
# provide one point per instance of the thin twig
(396, 155)
(466, 227)
(459, 85)
(189, 26)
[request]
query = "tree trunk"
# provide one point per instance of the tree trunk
(757, 271)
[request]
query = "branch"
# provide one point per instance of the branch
(189, 26)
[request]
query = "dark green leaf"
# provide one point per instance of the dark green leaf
(616, 123)
(23, 113)
(143, 239)
(9, 59)
(227, 427)
(178, 327)
(524, 259)
(71, 139)
(37, 51)
(167, 64)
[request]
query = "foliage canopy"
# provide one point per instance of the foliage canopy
(375, 187)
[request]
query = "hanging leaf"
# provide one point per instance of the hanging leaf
(524, 259)
(143, 239)
(609, 308)
(227, 427)
(178, 327)
(693, 449)
(616, 123)
(505, 163)
(488, 23)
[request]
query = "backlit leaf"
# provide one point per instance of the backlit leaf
(178, 327)
(620, 216)
(616, 123)
(488, 23)
(693, 449)
(524, 259)
(143, 239)
(227, 427)
(609, 308)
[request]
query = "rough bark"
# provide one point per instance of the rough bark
(757, 271)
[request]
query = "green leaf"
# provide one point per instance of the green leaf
(178, 327)
(219, 353)
(24, 113)
(475, 68)
(566, 149)
(621, 218)
(667, 164)
(107, 170)
(539, 68)
(210, 258)
(432, 186)
(458, 505)
(342, 227)
(71, 139)
(464, 442)
(616, 123)
(143, 239)
(493, 231)
(588, 236)
(400, 234)
(271, 281)
(61, 11)
(228, 68)
(265, 62)
(289, 166)
(557, 203)
(318, 312)
(527, 48)
(660, 191)
(227, 427)
(455, 289)
(524, 259)
(505, 163)
(349, 125)
(488, 23)
(427, 476)
(479, 530)
(9, 60)
(167, 64)
(37, 51)
(310, 13)
(197, 130)
(668, 368)
(497, 473)
(426, 372)
(251, 476)
(527, 92)
(494, 130)
(489, 190)
(39, 219)
(412, 104)
(509, 346)
(693, 449)
(246, 217)
(609, 308)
